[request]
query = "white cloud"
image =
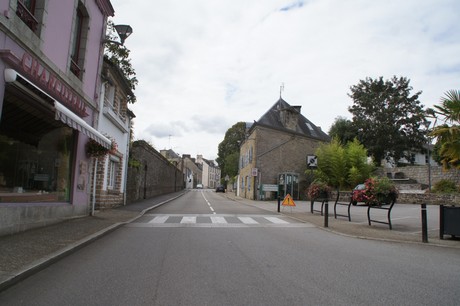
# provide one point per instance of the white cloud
(204, 65)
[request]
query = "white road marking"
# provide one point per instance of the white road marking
(218, 220)
(159, 219)
(188, 220)
(276, 220)
(248, 220)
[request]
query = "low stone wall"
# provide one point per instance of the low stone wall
(420, 173)
(414, 198)
(154, 176)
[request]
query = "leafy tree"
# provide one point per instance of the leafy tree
(388, 118)
(229, 149)
(448, 134)
(343, 129)
(342, 166)
(119, 56)
(331, 163)
(359, 169)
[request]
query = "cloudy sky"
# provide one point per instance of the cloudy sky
(204, 65)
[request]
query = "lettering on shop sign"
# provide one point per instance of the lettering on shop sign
(46, 80)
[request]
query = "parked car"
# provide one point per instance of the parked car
(357, 194)
(199, 186)
(220, 188)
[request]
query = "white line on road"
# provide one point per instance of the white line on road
(218, 220)
(159, 219)
(188, 220)
(209, 204)
(276, 220)
(248, 220)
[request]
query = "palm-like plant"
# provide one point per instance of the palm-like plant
(449, 134)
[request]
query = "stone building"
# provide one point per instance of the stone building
(210, 172)
(193, 171)
(275, 153)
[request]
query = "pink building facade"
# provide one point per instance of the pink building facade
(51, 56)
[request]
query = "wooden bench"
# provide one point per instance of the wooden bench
(384, 206)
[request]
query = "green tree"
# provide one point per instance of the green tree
(229, 149)
(448, 134)
(388, 118)
(358, 167)
(342, 166)
(343, 129)
(119, 56)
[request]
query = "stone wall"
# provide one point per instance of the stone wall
(154, 175)
(413, 198)
(420, 173)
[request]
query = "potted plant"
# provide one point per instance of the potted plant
(379, 191)
(319, 190)
(94, 149)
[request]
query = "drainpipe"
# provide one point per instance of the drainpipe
(94, 186)
(126, 165)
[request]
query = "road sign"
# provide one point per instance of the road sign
(270, 187)
(312, 161)
(288, 201)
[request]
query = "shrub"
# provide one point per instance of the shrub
(445, 186)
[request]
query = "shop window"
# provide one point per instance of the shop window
(79, 39)
(35, 153)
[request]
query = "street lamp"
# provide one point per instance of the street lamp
(123, 31)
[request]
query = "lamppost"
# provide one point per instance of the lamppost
(123, 31)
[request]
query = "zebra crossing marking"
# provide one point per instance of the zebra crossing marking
(212, 220)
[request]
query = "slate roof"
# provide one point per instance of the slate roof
(272, 119)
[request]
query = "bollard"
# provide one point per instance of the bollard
(424, 224)
(279, 203)
(326, 214)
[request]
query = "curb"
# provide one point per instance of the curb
(48, 260)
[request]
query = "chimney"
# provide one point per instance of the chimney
(289, 117)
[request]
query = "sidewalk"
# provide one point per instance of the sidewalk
(25, 253)
(405, 218)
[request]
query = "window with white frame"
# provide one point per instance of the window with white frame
(112, 174)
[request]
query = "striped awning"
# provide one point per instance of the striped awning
(68, 117)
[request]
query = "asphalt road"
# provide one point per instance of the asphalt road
(203, 249)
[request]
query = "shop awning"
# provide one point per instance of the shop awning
(62, 113)
(75, 122)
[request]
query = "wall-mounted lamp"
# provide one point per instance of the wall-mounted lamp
(123, 31)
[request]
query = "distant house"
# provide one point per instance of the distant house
(275, 153)
(211, 172)
(193, 171)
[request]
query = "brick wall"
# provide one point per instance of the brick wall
(155, 175)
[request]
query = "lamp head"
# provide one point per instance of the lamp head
(123, 30)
